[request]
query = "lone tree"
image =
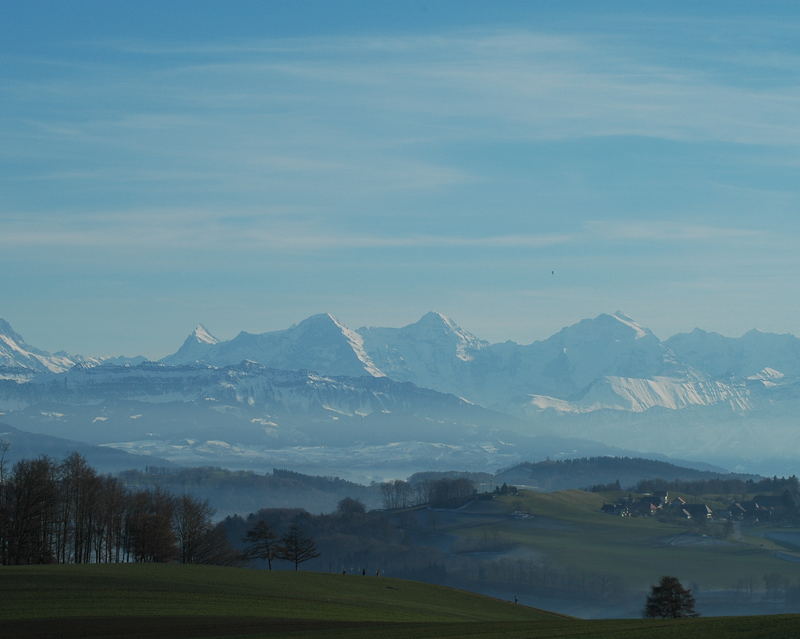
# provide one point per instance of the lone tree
(261, 543)
(669, 599)
(349, 507)
(296, 547)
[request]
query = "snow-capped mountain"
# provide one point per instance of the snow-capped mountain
(567, 365)
(251, 416)
(20, 361)
(319, 343)
(246, 386)
(730, 357)
(196, 347)
(609, 362)
(433, 352)
(320, 383)
(16, 354)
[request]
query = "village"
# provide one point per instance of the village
(781, 508)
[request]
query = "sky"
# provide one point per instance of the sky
(516, 167)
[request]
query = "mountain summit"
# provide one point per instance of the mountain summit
(15, 353)
(195, 348)
(319, 343)
(433, 351)
(202, 335)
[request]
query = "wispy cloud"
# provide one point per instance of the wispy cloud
(363, 91)
(277, 229)
(670, 231)
(184, 229)
(541, 86)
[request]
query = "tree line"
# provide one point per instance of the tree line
(232, 491)
(294, 546)
(446, 492)
(721, 486)
(67, 513)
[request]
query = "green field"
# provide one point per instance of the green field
(569, 529)
(192, 601)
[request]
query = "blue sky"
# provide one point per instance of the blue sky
(248, 164)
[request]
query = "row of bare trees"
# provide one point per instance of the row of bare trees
(67, 513)
(445, 492)
(294, 546)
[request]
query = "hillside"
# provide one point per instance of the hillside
(566, 554)
(588, 471)
(25, 445)
(229, 491)
(191, 601)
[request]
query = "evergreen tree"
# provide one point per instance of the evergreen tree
(669, 599)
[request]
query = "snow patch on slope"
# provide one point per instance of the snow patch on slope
(357, 344)
(624, 319)
(15, 353)
(201, 334)
(639, 395)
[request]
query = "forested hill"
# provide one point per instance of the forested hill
(591, 471)
(232, 491)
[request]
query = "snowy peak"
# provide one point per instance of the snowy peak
(568, 362)
(202, 335)
(195, 348)
(608, 326)
(731, 357)
(321, 323)
(319, 343)
(5, 329)
(15, 353)
(436, 320)
(435, 326)
(638, 330)
(433, 352)
(317, 328)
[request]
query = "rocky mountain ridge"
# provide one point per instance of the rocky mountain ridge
(430, 389)
(605, 363)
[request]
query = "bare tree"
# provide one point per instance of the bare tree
(215, 549)
(32, 511)
(262, 543)
(5, 445)
(68, 513)
(349, 507)
(109, 520)
(149, 533)
(5, 492)
(296, 547)
(451, 492)
(192, 522)
(396, 494)
(79, 489)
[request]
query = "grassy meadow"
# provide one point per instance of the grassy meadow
(152, 601)
(568, 528)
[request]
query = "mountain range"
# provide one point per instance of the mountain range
(608, 362)
(606, 379)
